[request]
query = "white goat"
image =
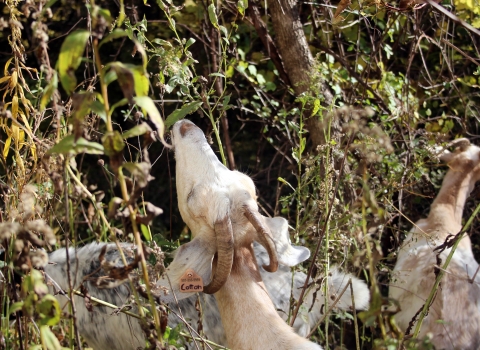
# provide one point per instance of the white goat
(454, 316)
(101, 328)
(220, 207)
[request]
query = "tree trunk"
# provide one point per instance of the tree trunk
(297, 58)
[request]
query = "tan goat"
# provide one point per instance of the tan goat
(454, 317)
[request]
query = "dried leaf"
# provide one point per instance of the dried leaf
(342, 5)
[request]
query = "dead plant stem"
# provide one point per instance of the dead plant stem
(70, 231)
(320, 238)
(138, 241)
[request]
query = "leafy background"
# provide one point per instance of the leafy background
(88, 90)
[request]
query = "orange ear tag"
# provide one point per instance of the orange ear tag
(191, 282)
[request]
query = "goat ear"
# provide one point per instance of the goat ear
(288, 254)
(196, 255)
(446, 156)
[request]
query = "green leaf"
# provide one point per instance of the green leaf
(224, 31)
(99, 109)
(189, 43)
(137, 131)
(120, 103)
(69, 146)
(213, 15)
(49, 339)
(115, 34)
(125, 79)
(49, 310)
(242, 5)
(171, 23)
(162, 6)
(146, 233)
(15, 307)
(70, 58)
(182, 112)
(140, 78)
(110, 77)
(147, 104)
(51, 87)
(162, 42)
(225, 103)
(316, 107)
(113, 143)
(217, 75)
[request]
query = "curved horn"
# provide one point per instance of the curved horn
(462, 143)
(264, 238)
(224, 237)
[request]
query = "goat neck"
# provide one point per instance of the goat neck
(446, 211)
(456, 186)
(248, 314)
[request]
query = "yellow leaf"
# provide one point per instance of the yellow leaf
(4, 79)
(6, 148)
(15, 107)
(20, 165)
(5, 71)
(28, 105)
(33, 149)
(25, 122)
(15, 132)
(14, 80)
(21, 139)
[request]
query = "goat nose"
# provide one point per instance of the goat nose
(185, 127)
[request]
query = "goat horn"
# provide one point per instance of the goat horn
(462, 143)
(224, 236)
(265, 238)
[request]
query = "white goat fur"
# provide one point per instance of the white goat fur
(457, 303)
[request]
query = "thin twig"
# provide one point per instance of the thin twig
(355, 321)
(317, 249)
(67, 240)
(330, 308)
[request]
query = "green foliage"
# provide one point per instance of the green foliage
(70, 58)
(401, 82)
(70, 146)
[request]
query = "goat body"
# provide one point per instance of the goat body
(454, 317)
(102, 328)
